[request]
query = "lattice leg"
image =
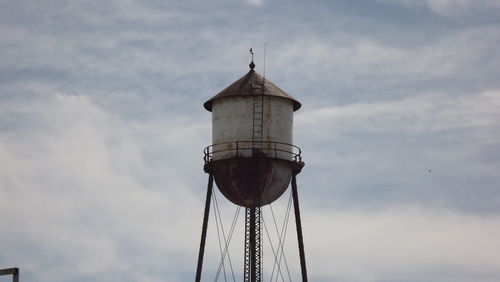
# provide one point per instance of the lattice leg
(253, 251)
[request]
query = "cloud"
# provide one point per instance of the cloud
(346, 64)
(428, 113)
(381, 152)
(72, 187)
(396, 244)
(255, 2)
(450, 7)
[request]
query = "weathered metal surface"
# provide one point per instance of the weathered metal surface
(253, 182)
(8, 271)
(233, 117)
(251, 84)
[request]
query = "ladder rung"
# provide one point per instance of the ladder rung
(258, 121)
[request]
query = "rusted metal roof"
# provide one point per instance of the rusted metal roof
(252, 84)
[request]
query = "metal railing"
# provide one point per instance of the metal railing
(248, 149)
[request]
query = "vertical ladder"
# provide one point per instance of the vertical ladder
(258, 121)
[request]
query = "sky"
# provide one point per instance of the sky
(102, 130)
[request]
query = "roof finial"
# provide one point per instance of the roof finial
(251, 65)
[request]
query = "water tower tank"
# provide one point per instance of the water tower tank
(252, 155)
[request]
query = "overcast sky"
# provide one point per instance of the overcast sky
(102, 130)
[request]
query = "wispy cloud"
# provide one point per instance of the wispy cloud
(77, 169)
(437, 138)
(426, 114)
(451, 7)
(378, 245)
(256, 2)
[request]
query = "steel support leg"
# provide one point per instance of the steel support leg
(258, 246)
(253, 251)
(246, 260)
(299, 229)
(204, 228)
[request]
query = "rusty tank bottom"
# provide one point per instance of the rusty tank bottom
(254, 181)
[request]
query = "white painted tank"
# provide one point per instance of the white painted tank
(232, 124)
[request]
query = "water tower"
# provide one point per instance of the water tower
(252, 158)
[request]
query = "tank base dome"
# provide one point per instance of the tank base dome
(253, 182)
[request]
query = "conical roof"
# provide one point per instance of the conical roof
(252, 84)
